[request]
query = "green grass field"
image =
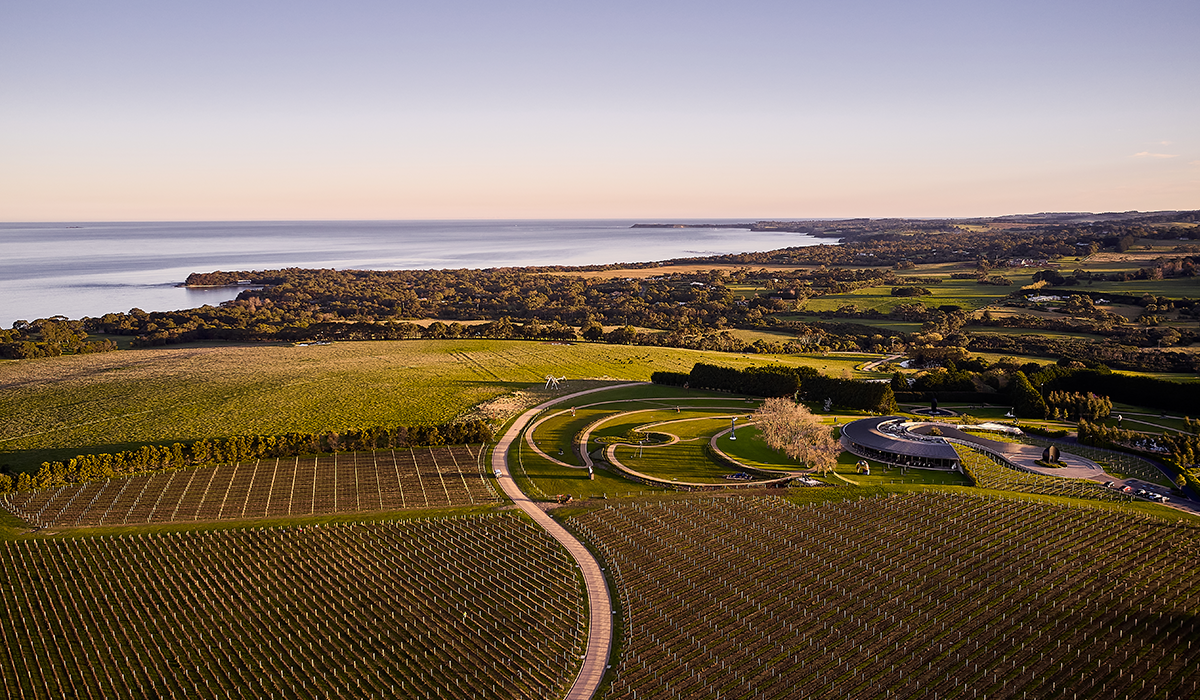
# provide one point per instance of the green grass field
(558, 431)
(686, 460)
(989, 330)
(965, 293)
(651, 404)
(1176, 288)
(749, 449)
(771, 336)
(883, 475)
(55, 408)
(882, 324)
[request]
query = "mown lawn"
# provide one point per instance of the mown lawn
(749, 449)
(542, 479)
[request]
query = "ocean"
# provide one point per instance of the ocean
(90, 269)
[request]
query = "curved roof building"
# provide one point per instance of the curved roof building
(888, 439)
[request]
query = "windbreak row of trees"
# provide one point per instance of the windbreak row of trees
(1113, 354)
(753, 381)
(1138, 390)
(240, 448)
(775, 381)
(876, 397)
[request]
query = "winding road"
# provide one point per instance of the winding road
(600, 628)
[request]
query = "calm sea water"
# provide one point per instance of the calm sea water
(89, 269)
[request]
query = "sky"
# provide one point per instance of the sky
(456, 109)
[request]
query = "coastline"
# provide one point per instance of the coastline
(50, 269)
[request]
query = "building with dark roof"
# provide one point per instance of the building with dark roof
(889, 439)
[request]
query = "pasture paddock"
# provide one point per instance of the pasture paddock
(967, 294)
(478, 607)
(351, 482)
(54, 408)
(924, 596)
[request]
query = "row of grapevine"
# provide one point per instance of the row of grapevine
(926, 596)
(461, 607)
(85, 468)
(337, 483)
(990, 472)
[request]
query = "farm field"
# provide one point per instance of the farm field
(965, 293)
(270, 488)
(771, 336)
(486, 607)
(1176, 288)
(883, 324)
(988, 330)
(915, 596)
(56, 408)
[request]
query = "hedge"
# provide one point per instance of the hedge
(754, 381)
(848, 393)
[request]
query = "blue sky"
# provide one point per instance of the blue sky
(385, 110)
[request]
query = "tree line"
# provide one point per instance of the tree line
(768, 380)
(900, 244)
(239, 448)
(1070, 405)
(775, 381)
(49, 338)
(1138, 390)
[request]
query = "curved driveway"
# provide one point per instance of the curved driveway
(600, 631)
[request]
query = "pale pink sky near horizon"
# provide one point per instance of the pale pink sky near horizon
(454, 110)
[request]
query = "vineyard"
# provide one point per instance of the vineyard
(338, 483)
(461, 607)
(990, 472)
(920, 596)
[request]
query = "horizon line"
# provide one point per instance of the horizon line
(648, 220)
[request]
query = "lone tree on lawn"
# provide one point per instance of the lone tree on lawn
(792, 429)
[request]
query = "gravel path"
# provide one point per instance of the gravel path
(600, 631)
